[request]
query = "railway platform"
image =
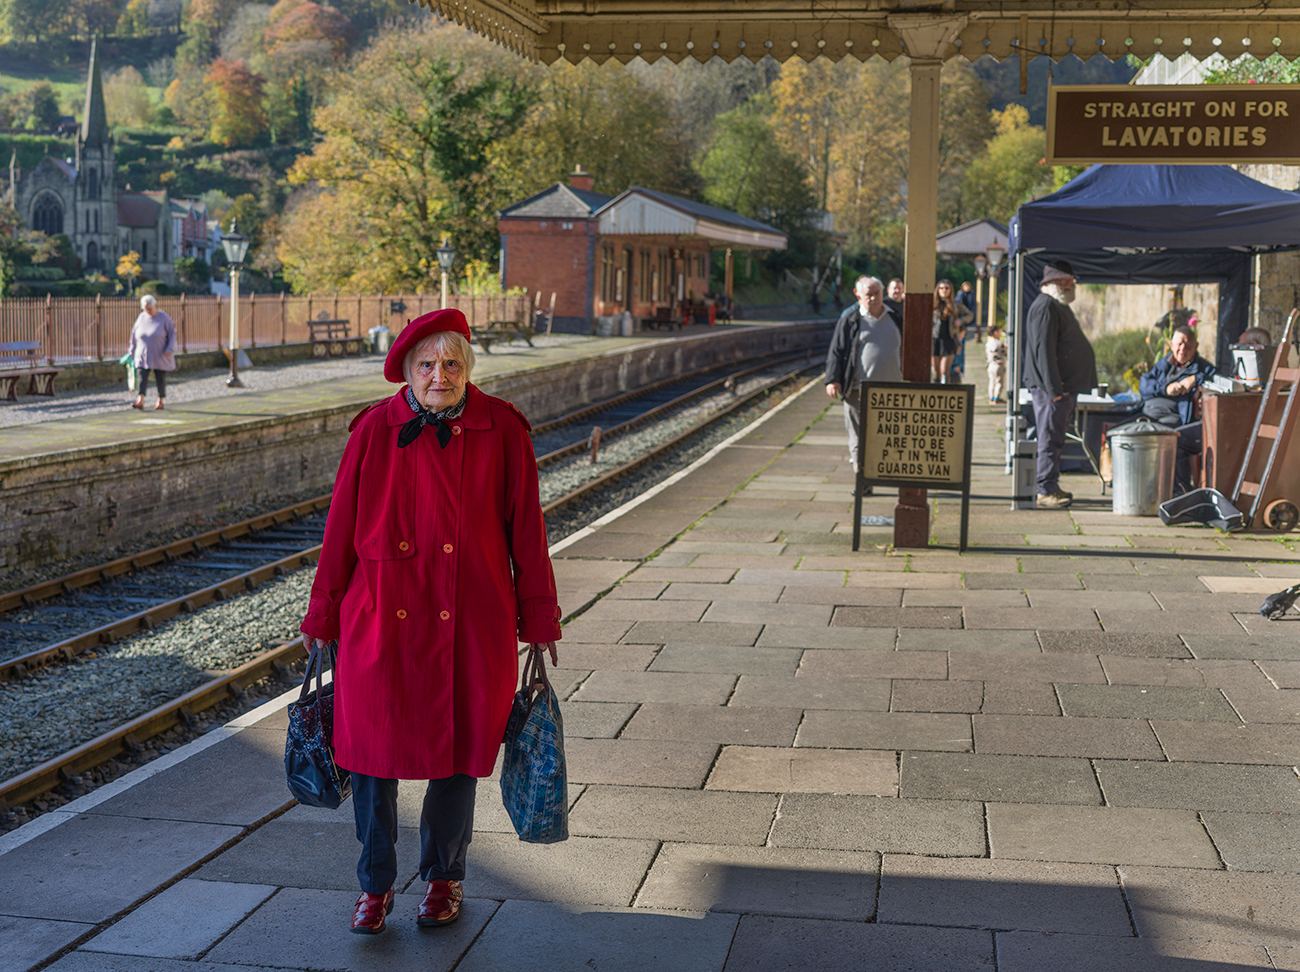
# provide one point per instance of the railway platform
(1072, 747)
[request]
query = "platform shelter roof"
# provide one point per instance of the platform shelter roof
(645, 212)
(972, 239)
(559, 201)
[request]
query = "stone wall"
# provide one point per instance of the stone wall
(61, 505)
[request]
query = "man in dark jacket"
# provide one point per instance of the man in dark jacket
(1059, 364)
(966, 297)
(866, 346)
(1169, 396)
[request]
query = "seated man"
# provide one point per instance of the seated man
(1169, 396)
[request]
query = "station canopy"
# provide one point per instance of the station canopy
(644, 212)
(1160, 224)
(576, 30)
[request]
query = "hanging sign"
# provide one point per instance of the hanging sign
(1175, 123)
(915, 435)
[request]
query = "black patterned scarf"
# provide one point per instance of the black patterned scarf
(412, 429)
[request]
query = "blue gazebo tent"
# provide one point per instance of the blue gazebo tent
(1163, 224)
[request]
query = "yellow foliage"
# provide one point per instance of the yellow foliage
(129, 265)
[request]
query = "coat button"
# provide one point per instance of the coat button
(447, 548)
(403, 546)
(401, 613)
(445, 615)
(455, 430)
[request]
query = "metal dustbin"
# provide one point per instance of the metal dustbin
(1142, 456)
(381, 339)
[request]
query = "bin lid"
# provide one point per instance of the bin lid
(1142, 426)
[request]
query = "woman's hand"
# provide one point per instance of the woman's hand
(544, 646)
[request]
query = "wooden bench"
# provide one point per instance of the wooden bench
(24, 353)
(330, 337)
(487, 334)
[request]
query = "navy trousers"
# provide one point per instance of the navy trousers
(1052, 420)
(446, 828)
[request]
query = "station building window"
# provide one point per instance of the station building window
(607, 278)
(643, 277)
(663, 277)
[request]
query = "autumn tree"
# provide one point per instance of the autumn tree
(95, 16)
(215, 13)
(35, 20)
(291, 23)
(134, 19)
(1010, 171)
(126, 98)
(235, 96)
(404, 157)
(129, 267)
(600, 117)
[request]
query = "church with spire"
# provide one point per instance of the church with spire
(79, 197)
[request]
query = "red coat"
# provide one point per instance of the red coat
(416, 582)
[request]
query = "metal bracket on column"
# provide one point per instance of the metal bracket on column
(927, 35)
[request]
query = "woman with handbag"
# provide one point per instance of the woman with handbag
(152, 348)
(947, 327)
(434, 567)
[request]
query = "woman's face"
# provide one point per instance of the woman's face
(436, 374)
(945, 290)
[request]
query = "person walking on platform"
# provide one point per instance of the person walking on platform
(894, 298)
(1059, 364)
(966, 297)
(946, 329)
(866, 346)
(153, 348)
(434, 568)
(995, 354)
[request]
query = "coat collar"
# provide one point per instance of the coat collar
(477, 414)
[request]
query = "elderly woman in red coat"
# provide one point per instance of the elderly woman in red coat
(434, 567)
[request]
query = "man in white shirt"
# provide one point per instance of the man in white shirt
(866, 346)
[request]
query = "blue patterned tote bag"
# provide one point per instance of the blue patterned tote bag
(534, 782)
(309, 766)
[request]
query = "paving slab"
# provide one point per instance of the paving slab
(536, 936)
(1256, 704)
(779, 770)
(100, 962)
(580, 870)
(1027, 619)
(612, 609)
(693, 688)
(732, 724)
(843, 822)
(614, 545)
(763, 880)
(1099, 835)
(1283, 674)
(687, 575)
(28, 942)
(1128, 600)
(997, 779)
(1256, 841)
(999, 581)
(938, 639)
(1188, 673)
(294, 930)
(1243, 646)
(809, 615)
(873, 664)
(1141, 644)
(883, 617)
(701, 633)
(765, 944)
(250, 765)
(1048, 736)
(994, 666)
(727, 659)
(639, 762)
(843, 639)
(590, 657)
(933, 695)
(1216, 742)
(832, 729)
(1224, 906)
(1145, 702)
(685, 591)
(1080, 898)
(812, 692)
(591, 574)
(637, 591)
(734, 562)
(1184, 622)
(1013, 697)
(964, 598)
(595, 720)
(891, 577)
(767, 577)
(1199, 786)
(864, 596)
(582, 630)
(183, 922)
(300, 850)
(91, 867)
(704, 816)
(1035, 951)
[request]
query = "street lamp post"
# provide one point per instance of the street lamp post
(995, 254)
(446, 255)
(981, 287)
(236, 246)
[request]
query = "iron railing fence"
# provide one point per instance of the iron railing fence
(94, 328)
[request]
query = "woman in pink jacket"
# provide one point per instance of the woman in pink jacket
(434, 568)
(152, 348)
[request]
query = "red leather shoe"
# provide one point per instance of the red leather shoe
(372, 909)
(441, 904)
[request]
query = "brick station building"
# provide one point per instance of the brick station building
(604, 255)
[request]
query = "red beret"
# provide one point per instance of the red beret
(416, 331)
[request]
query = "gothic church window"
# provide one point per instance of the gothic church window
(92, 185)
(92, 256)
(144, 251)
(47, 214)
(96, 220)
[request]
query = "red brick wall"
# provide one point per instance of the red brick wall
(543, 255)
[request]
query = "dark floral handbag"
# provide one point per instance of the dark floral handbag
(314, 778)
(534, 781)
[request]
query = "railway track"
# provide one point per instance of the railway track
(297, 522)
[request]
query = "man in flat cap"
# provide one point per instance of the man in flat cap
(1059, 364)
